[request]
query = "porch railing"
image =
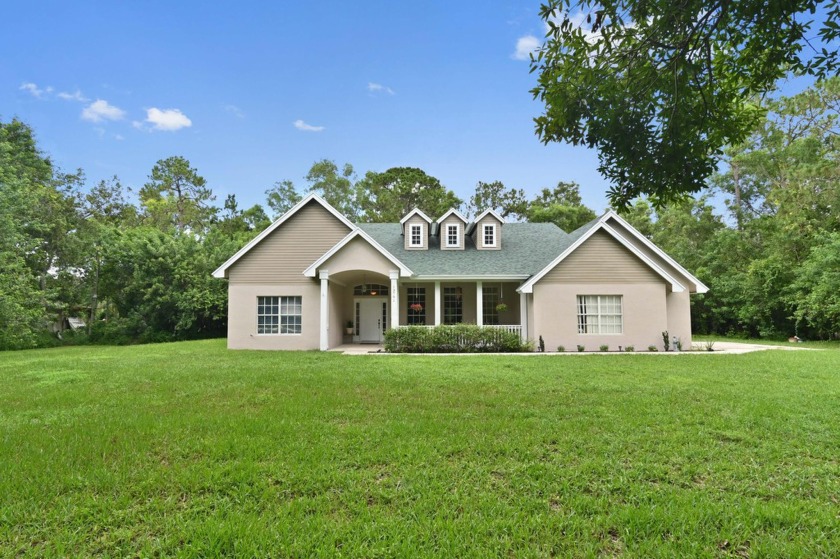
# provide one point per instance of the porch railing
(512, 328)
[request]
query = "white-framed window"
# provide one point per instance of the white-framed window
(489, 302)
(415, 232)
(453, 235)
(279, 315)
(489, 234)
(416, 310)
(453, 305)
(599, 314)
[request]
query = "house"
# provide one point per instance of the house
(300, 282)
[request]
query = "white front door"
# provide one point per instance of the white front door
(372, 313)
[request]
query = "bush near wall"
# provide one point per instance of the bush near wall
(458, 338)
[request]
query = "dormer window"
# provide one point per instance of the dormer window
(453, 235)
(489, 234)
(416, 235)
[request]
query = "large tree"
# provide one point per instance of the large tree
(336, 185)
(561, 206)
(660, 87)
(177, 197)
(389, 195)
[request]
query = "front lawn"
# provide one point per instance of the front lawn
(194, 450)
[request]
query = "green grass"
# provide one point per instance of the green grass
(188, 449)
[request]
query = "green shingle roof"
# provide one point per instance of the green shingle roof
(526, 249)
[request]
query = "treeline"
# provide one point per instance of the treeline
(136, 266)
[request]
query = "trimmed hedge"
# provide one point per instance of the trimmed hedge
(458, 338)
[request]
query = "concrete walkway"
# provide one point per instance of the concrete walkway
(720, 348)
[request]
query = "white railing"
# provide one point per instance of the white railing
(512, 328)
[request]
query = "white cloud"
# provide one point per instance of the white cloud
(75, 96)
(525, 46)
(167, 119)
(300, 125)
(236, 111)
(34, 90)
(378, 87)
(119, 137)
(101, 110)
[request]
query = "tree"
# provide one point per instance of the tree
(561, 206)
(282, 197)
(176, 197)
(336, 186)
(815, 294)
(38, 218)
(494, 195)
(388, 196)
(661, 87)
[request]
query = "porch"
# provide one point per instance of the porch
(359, 306)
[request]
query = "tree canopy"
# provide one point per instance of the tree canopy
(661, 87)
(389, 195)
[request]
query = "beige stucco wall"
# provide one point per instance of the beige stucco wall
(451, 220)
(602, 266)
(644, 315)
(679, 317)
(242, 316)
(358, 254)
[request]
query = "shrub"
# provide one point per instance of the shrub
(581, 348)
(561, 349)
(652, 348)
(666, 342)
(709, 346)
(458, 338)
(604, 347)
(629, 348)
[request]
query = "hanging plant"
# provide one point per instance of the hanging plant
(416, 307)
(501, 307)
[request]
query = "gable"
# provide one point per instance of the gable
(658, 257)
(358, 254)
(287, 251)
(601, 259)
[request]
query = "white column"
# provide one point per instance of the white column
(479, 303)
(523, 314)
(438, 305)
(395, 298)
(325, 310)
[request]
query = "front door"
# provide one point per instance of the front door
(372, 313)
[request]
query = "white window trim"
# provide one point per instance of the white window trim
(483, 235)
(457, 235)
(279, 314)
(599, 333)
(411, 243)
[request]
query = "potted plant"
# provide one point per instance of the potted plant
(416, 307)
(501, 307)
(348, 328)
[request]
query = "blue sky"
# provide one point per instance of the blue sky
(112, 87)
(255, 92)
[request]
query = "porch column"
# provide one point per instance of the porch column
(523, 314)
(438, 306)
(395, 298)
(325, 306)
(479, 303)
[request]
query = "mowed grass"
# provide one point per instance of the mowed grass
(191, 450)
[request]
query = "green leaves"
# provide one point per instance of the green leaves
(660, 88)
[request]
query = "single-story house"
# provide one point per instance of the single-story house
(315, 280)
